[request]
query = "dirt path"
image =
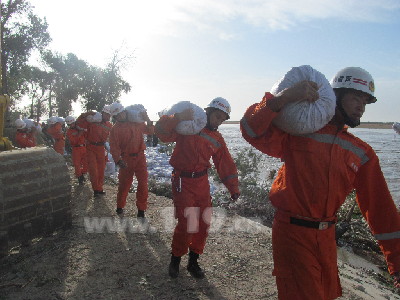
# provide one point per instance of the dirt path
(131, 263)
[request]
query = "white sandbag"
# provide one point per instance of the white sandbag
(396, 127)
(135, 113)
(305, 117)
(29, 123)
(96, 118)
(189, 127)
(61, 120)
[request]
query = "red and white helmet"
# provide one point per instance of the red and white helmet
(116, 108)
(221, 104)
(20, 124)
(69, 120)
(355, 78)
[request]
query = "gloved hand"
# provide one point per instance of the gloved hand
(122, 164)
(235, 196)
(396, 280)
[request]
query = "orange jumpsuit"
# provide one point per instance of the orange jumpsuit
(57, 134)
(25, 139)
(127, 143)
(96, 136)
(191, 195)
(78, 144)
(319, 171)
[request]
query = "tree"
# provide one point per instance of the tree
(105, 86)
(67, 79)
(39, 86)
(22, 33)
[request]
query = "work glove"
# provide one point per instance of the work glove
(122, 164)
(235, 196)
(396, 279)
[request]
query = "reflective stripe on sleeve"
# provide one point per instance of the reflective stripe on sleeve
(229, 177)
(346, 145)
(247, 128)
(210, 139)
(104, 126)
(387, 236)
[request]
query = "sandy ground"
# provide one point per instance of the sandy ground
(131, 262)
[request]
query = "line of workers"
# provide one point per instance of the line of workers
(190, 160)
(320, 169)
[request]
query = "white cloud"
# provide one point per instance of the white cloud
(211, 15)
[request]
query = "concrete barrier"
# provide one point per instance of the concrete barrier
(35, 195)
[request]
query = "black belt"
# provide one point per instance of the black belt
(133, 154)
(79, 145)
(192, 174)
(98, 143)
(311, 224)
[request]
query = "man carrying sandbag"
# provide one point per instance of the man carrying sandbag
(25, 137)
(127, 149)
(190, 187)
(96, 134)
(76, 138)
(320, 169)
(55, 130)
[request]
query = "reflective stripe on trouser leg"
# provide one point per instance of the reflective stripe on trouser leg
(190, 204)
(96, 166)
(125, 179)
(79, 160)
(142, 192)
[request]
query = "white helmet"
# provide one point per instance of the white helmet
(221, 104)
(69, 120)
(355, 78)
(116, 108)
(20, 124)
(106, 109)
(52, 120)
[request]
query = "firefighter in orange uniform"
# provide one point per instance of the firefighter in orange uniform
(319, 171)
(96, 135)
(77, 141)
(127, 149)
(190, 186)
(56, 132)
(25, 137)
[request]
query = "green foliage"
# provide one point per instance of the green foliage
(167, 148)
(160, 188)
(358, 236)
(251, 188)
(23, 32)
(61, 79)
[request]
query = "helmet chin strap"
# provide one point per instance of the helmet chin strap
(347, 120)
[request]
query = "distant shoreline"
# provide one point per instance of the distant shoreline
(372, 125)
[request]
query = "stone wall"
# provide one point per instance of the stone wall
(35, 195)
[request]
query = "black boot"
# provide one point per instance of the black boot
(140, 214)
(173, 269)
(193, 266)
(81, 180)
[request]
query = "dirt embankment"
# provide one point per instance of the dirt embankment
(126, 261)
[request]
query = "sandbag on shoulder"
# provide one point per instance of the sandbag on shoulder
(188, 127)
(95, 118)
(305, 117)
(135, 113)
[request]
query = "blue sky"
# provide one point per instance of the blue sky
(197, 50)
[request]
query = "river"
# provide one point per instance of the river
(385, 142)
